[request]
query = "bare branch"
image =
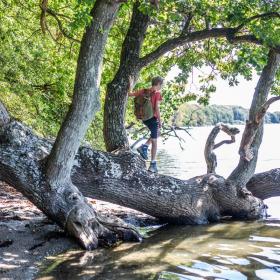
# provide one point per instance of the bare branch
(260, 115)
(46, 10)
(210, 156)
(43, 22)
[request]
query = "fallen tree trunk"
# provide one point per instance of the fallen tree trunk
(266, 184)
(121, 179)
(22, 164)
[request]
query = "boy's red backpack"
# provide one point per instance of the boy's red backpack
(143, 108)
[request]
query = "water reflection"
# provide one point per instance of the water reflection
(222, 251)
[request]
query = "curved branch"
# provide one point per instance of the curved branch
(46, 10)
(260, 115)
(210, 156)
(60, 26)
(260, 16)
(183, 39)
(228, 33)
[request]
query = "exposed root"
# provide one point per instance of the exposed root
(93, 230)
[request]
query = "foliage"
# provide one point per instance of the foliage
(195, 115)
(38, 66)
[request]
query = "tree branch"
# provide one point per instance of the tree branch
(46, 10)
(260, 115)
(260, 16)
(60, 26)
(43, 23)
(210, 156)
(228, 33)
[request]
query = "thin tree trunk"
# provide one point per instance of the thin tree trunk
(253, 133)
(117, 90)
(85, 101)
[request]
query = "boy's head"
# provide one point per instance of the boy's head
(157, 82)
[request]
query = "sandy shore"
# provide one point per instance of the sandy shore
(27, 236)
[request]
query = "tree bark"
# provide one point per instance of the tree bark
(120, 179)
(253, 133)
(210, 146)
(116, 96)
(85, 101)
(266, 184)
(22, 165)
(47, 183)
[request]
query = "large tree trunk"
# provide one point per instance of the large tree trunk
(47, 183)
(120, 179)
(22, 166)
(117, 90)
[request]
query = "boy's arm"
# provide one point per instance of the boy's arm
(135, 93)
(130, 94)
(130, 87)
(158, 113)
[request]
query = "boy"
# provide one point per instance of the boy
(154, 123)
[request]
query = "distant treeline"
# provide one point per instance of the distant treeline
(195, 115)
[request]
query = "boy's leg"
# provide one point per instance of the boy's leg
(154, 149)
(154, 136)
(149, 142)
(143, 149)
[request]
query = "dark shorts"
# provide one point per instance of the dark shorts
(152, 124)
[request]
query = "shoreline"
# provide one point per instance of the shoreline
(27, 236)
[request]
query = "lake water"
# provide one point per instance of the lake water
(232, 250)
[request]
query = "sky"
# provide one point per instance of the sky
(226, 95)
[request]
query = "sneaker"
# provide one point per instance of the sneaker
(153, 167)
(143, 151)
